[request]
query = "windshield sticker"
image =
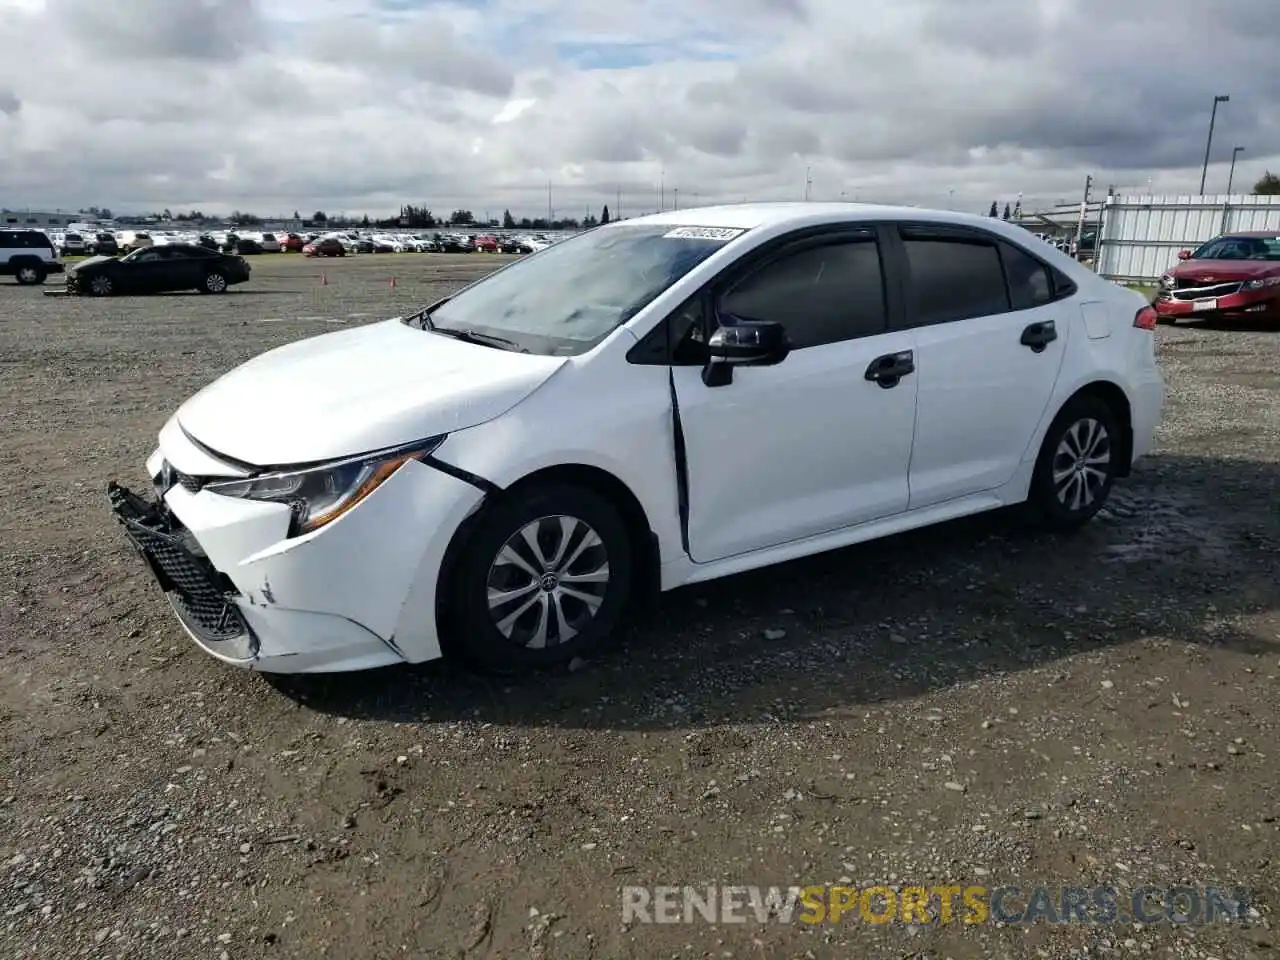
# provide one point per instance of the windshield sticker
(703, 233)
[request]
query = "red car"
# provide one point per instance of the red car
(292, 243)
(325, 247)
(1233, 276)
(487, 244)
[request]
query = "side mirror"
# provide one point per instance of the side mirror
(747, 343)
(743, 343)
(1184, 254)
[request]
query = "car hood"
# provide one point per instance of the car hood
(91, 261)
(1224, 271)
(357, 390)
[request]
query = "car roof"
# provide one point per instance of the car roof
(749, 216)
(1262, 234)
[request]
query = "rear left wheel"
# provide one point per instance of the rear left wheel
(544, 577)
(1077, 464)
(30, 275)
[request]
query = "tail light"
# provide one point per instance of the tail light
(1146, 318)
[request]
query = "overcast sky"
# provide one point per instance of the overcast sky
(358, 105)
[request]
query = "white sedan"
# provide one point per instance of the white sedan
(650, 404)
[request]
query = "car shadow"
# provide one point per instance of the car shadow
(897, 618)
(1240, 325)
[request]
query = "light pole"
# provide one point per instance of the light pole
(1232, 175)
(1204, 172)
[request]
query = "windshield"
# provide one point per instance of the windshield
(566, 299)
(1240, 248)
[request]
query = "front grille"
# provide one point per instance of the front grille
(189, 483)
(204, 603)
(1186, 291)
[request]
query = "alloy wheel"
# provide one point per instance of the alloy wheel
(215, 283)
(27, 275)
(100, 286)
(1082, 463)
(548, 581)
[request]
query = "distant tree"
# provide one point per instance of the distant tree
(1007, 212)
(508, 221)
(993, 212)
(319, 217)
(604, 214)
(1268, 186)
(462, 217)
(167, 215)
(364, 221)
(296, 215)
(589, 221)
(1017, 209)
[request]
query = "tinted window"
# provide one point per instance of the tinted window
(1030, 283)
(954, 279)
(820, 294)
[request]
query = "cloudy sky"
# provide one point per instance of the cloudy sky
(359, 105)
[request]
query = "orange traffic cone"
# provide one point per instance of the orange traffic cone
(324, 279)
(393, 283)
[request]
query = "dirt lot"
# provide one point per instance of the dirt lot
(967, 705)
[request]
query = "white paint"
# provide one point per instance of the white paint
(784, 461)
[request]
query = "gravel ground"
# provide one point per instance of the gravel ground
(971, 704)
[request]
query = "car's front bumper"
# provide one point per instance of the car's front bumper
(356, 594)
(1246, 304)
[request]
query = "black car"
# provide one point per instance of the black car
(512, 245)
(174, 266)
(245, 246)
(206, 241)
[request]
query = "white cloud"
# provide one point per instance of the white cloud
(276, 105)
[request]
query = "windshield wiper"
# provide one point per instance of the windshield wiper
(475, 336)
(422, 319)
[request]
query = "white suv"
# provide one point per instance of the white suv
(28, 255)
(648, 404)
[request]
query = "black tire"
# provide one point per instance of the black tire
(1061, 502)
(473, 628)
(29, 274)
(215, 281)
(99, 285)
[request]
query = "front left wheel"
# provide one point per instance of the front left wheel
(544, 577)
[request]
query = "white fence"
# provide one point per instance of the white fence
(1141, 235)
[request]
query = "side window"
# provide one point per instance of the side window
(955, 279)
(148, 255)
(1030, 283)
(822, 294)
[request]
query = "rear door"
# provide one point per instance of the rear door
(990, 330)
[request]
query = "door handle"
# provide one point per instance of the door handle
(1037, 336)
(889, 370)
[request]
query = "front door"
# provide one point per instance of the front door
(812, 444)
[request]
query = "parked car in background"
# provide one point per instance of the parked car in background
(497, 475)
(158, 269)
(325, 247)
(270, 243)
(513, 245)
(1236, 276)
(105, 244)
(248, 246)
(28, 256)
(292, 243)
(208, 241)
(134, 240)
(74, 245)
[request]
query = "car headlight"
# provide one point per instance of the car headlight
(320, 494)
(1263, 282)
(1166, 282)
